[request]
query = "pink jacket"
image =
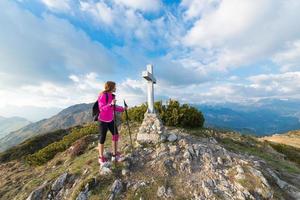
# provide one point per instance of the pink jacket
(107, 110)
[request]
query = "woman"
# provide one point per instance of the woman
(107, 104)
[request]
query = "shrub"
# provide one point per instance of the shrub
(136, 113)
(47, 153)
(32, 145)
(172, 114)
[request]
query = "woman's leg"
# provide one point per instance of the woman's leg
(103, 130)
(101, 149)
(115, 138)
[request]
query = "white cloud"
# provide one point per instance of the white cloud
(143, 5)
(289, 59)
(46, 48)
(243, 32)
(59, 5)
(191, 49)
(100, 11)
(128, 24)
(196, 8)
(82, 89)
(230, 19)
(132, 91)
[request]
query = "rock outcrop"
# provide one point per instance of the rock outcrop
(178, 166)
(151, 128)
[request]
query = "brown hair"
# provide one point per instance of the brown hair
(109, 86)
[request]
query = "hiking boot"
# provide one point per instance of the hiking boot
(102, 160)
(117, 158)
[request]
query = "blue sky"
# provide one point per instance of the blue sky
(56, 53)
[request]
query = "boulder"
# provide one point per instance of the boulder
(59, 182)
(172, 137)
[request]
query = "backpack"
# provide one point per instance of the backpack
(96, 110)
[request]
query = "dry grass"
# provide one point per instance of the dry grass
(291, 138)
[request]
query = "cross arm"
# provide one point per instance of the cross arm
(148, 76)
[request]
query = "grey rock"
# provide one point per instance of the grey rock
(172, 137)
(116, 189)
(153, 129)
(83, 195)
(108, 155)
(107, 165)
(186, 166)
(187, 155)
(161, 191)
(169, 193)
(163, 138)
(213, 140)
(59, 182)
(125, 172)
(259, 175)
(220, 160)
(239, 169)
(191, 150)
(105, 171)
(139, 185)
(292, 190)
(37, 194)
(240, 172)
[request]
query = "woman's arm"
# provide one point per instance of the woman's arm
(120, 108)
(102, 102)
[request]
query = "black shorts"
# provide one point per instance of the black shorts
(104, 127)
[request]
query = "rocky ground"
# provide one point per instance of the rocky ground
(180, 166)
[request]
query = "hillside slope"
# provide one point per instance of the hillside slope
(71, 116)
(291, 138)
(191, 164)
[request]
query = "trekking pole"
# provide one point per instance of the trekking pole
(115, 124)
(127, 122)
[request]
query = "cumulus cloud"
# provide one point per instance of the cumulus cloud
(35, 49)
(205, 51)
(244, 32)
(100, 11)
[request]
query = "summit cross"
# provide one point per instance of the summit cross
(148, 75)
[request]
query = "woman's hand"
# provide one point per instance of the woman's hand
(113, 102)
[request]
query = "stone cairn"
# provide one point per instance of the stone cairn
(151, 129)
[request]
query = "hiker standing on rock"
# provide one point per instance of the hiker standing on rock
(106, 118)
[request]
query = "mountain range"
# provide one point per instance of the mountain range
(10, 124)
(71, 116)
(264, 117)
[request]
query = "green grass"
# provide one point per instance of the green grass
(292, 153)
